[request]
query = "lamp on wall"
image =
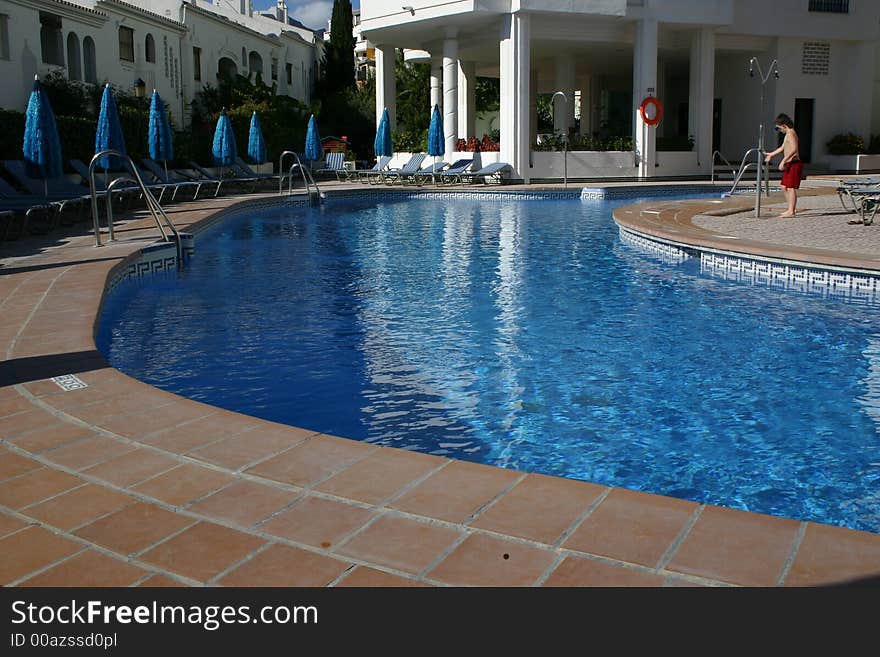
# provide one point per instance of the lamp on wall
(410, 9)
(140, 88)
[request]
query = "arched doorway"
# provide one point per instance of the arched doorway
(74, 65)
(227, 69)
(89, 59)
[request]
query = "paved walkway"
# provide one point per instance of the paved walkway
(120, 484)
(822, 223)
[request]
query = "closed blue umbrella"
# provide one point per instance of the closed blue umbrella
(436, 142)
(159, 136)
(224, 149)
(109, 136)
(382, 145)
(256, 144)
(313, 151)
(41, 147)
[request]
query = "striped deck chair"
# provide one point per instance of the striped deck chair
(333, 163)
(389, 176)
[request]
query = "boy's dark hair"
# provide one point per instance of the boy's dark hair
(784, 119)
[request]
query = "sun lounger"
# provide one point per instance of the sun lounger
(860, 196)
(244, 171)
(333, 163)
(428, 173)
(235, 179)
(494, 172)
(26, 207)
(389, 176)
(454, 172)
(62, 193)
(359, 174)
(58, 188)
(171, 177)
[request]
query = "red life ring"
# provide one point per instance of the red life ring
(658, 107)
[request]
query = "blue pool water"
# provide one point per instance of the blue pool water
(525, 335)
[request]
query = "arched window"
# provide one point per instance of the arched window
(89, 66)
(150, 49)
(74, 66)
(255, 63)
(226, 69)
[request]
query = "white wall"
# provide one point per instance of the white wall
(175, 81)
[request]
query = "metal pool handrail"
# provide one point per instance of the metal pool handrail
(306, 175)
(152, 204)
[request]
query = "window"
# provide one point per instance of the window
(255, 63)
(89, 61)
(288, 68)
(74, 68)
(126, 44)
(274, 68)
(150, 49)
(197, 63)
(4, 36)
(830, 6)
(51, 39)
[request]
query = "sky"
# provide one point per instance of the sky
(311, 13)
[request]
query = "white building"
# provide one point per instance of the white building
(174, 46)
(364, 54)
(693, 55)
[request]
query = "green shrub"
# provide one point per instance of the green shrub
(410, 141)
(585, 143)
(848, 144)
(874, 145)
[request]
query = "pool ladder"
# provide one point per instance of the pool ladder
(315, 194)
(156, 210)
(743, 168)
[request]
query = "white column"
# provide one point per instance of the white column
(436, 83)
(533, 106)
(386, 85)
(563, 110)
(450, 91)
(467, 98)
(515, 79)
(701, 100)
(587, 105)
(645, 84)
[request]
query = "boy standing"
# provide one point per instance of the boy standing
(791, 166)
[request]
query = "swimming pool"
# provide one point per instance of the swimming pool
(521, 334)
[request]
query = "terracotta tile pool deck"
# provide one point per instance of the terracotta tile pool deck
(121, 484)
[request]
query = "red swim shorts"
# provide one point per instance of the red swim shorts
(793, 174)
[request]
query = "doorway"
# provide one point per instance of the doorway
(804, 110)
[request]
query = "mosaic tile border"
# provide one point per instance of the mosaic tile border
(665, 252)
(638, 191)
(433, 194)
(829, 283)
(850, 285)
(159, 257)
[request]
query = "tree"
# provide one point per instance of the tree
(338, 64)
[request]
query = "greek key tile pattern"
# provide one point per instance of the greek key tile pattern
(853, 286)
(155, 258)
(665, 252)
(636, 191)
